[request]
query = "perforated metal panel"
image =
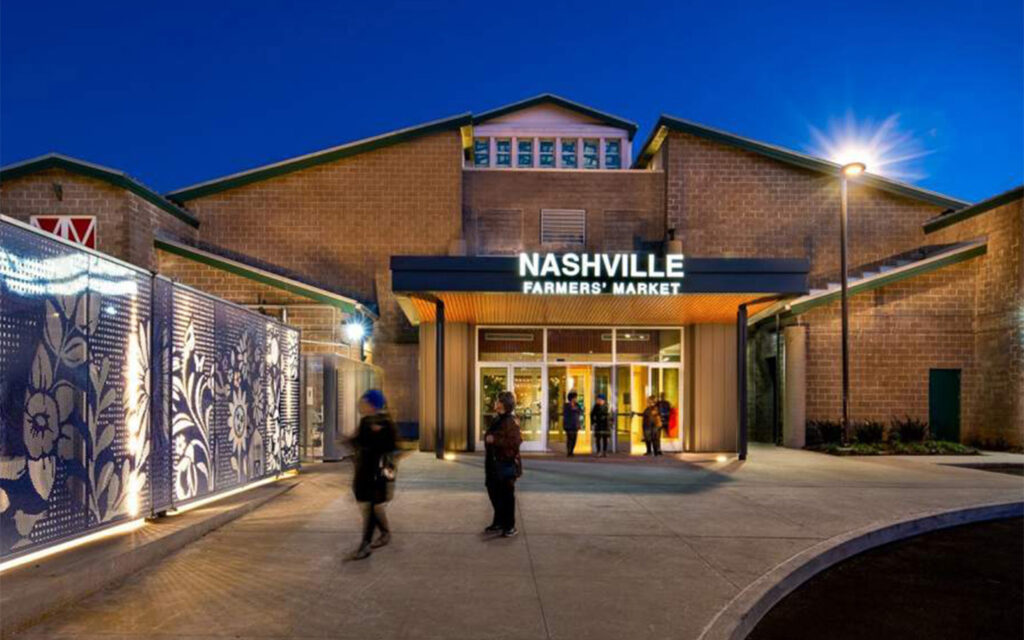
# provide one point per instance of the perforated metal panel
(122, 394)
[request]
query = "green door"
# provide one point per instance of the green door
(944, 404)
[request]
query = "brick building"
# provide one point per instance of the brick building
(393, 231)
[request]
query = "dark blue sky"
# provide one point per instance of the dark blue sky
(175, 93)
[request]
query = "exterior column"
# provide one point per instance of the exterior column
(741, 378)
(439, 382)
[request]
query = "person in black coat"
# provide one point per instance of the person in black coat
(571, 415)
(503, 465)
(601, 423)
(373, 481)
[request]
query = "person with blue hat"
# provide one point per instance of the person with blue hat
(374, 479)
(601, 423)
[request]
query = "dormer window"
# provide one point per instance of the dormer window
(550, 133)
(503, 152)
(569, 153)
(481, 152)
(612, 154)
(547, 154)
(591, 159)
(524, 156)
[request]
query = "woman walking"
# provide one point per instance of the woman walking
(373, 482)
(600, 422)
(502, 464)
(652, 427)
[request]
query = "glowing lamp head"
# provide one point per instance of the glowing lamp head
(722, 458)
(355, 331)
(852, 169)
(449, 456)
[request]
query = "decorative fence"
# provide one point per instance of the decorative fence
(123, 395)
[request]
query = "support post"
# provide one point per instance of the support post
(845, 304)
(439, 380)
(741, 378)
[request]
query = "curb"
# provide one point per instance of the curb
(39, 600)
(738, 618)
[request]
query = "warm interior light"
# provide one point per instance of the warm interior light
(853, 169)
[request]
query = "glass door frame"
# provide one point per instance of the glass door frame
(541, 444)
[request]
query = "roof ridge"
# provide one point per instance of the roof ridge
(791, 156)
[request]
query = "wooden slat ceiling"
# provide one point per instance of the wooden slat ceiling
(518, 308)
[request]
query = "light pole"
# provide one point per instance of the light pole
(848, 170)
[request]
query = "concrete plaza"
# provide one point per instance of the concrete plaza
(612, 548)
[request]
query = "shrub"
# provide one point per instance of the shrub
(869, 432)
(831, 431)
(812, 436)
(908, 429)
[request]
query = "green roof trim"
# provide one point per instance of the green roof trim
(317, 158)
(550, 98)
(962, 252)
(290, 285)
(108, 175)
(794, 158)
(953, 217)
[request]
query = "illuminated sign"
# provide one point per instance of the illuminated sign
(629, 274)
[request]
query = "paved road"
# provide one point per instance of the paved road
(963, 582)
(610, 549)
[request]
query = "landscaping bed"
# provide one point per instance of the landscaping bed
(901, 437)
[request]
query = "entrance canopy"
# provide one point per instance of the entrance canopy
(490, 290)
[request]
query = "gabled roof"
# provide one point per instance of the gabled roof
(953, 217)
(111, 176)
(795, 158)
(316, 158)
(550, 98)
(263, 272)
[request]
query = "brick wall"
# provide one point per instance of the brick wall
(340, 222)
(998, 299)
(321, 324)
(502, 207)
(125, 223)
(728, 202)
(965, 316)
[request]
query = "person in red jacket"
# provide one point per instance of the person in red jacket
(502, 464)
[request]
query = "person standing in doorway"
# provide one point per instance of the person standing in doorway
(600, 422)
(652, 427)
(571, 415)
(373, 481)
(665, 413)
(503, 465)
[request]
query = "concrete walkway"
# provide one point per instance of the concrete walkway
(631, 548)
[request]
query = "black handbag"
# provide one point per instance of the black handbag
(387, 472)
(507, 470)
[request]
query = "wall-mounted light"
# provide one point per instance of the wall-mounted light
(355, 330)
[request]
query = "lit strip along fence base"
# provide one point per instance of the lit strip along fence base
(124, 395)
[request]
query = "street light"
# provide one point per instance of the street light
(849, 170)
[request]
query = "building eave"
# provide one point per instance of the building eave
(224, 263)
(953, 217)
(111, 176)
(800, 305)
(265, 172)
(794, 158)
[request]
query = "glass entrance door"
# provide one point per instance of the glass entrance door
(493, 380)
(528, 387)
(664, 385)
(561, 381)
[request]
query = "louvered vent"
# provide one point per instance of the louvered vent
(563, 226)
